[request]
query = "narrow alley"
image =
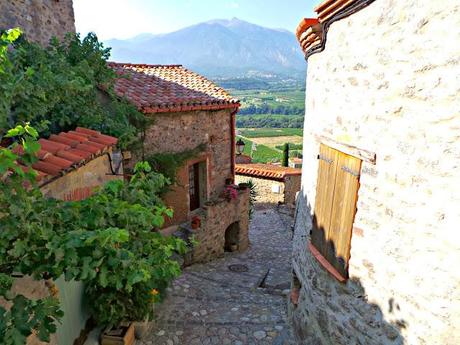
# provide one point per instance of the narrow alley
(239, 299)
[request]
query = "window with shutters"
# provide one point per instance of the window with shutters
(335, 208)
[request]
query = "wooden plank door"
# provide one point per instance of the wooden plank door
(327, 167)
(343, 212)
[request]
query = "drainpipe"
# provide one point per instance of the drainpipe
(233, 141)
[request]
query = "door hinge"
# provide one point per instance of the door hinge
(348, 170)
(324, 158)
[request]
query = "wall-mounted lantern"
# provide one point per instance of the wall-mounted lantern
(240, 146)
(115, 160)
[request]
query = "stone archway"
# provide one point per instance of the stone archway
(232, 237)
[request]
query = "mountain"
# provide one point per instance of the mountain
(218, 48)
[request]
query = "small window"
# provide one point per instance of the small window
(197, 182)
(335, 207)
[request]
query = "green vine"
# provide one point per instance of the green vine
(168, 163)
(60, 87)
(105, 241)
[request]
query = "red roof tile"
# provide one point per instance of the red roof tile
(168, 88)
(267, 171)
(64, 152)
(310, 30)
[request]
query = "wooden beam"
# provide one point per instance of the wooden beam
(351, 150)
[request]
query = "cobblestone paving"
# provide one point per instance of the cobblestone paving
(210, 304)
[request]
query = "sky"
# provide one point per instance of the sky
(127, 18)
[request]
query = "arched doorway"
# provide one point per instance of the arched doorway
(232, 237)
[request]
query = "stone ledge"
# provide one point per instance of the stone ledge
(322, 260)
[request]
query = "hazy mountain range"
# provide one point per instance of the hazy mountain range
(218, 48)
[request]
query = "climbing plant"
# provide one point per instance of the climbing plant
(64, 85)
(168, 163)
(106, 241)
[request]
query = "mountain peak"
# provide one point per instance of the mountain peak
(228, 22)
(220, 47)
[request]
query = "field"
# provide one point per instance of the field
(262, 154)
(270, 132)
(269, 141)
(273, 98)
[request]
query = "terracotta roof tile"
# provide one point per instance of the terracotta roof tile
(88, 147)
(70, 156)
(330, 7)
(266, 171)
(309, 31)
(168, 88)
(83, 154)
(64, 140)
(67, 151)
(47, 168)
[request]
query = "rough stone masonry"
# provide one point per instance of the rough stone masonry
(388, 83)
(40, 20)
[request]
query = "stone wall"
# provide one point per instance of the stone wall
(387, 82)
(216, 217)
(40, 20)
(291, 188)
(268, 191)
(80, 183)
(179, 132)
(273, 191)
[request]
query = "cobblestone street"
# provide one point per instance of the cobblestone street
(211, 304)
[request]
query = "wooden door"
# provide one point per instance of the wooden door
(194, 186)
(324, 196)
(335, 206)
(343, 212)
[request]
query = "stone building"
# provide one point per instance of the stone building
(274, 184)
(376, 241)
(193, 123)
(40, 20)
(70, 166)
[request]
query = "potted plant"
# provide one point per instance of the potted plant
(230, 192)
(243, 186)
(196, 222)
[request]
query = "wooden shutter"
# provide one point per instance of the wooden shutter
(343, 212)
(335, 206)
(324, 196)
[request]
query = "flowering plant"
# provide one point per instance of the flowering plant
(196, 222)
(230, 192)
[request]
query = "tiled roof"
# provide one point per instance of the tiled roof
(243, 159)
(328, 8)
(310, 30)
(64, 152)
(267, 171)
(168, 88)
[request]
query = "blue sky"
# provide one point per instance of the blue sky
(127, 18)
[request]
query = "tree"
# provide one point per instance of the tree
(285, 162)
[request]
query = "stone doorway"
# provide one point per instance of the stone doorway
(232, 237)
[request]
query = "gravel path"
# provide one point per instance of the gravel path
(210, 304)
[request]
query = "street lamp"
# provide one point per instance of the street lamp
(240, 146)
(115, 160)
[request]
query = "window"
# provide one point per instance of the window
(197, 182)
(335, 208)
